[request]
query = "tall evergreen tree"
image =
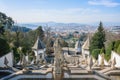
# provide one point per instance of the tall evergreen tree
(6, 21)
(98, 39)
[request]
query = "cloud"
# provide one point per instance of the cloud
(107, 3)
(79, 15)
(44, 15)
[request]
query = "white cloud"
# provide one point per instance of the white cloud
(42, 15)
(79, 15)
(107, 3)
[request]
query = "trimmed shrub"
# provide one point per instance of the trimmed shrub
(118, 49)
(95, 53)
(16, 55)
(116, 45)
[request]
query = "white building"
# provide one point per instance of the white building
(85, 48)
(39, 49)
(7, 59)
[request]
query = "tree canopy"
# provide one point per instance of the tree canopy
(98, 39)
(4, 47)
(5, 22)
(95, 53)
(118, 49)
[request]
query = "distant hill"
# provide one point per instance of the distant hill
(22, 29)
(61, 26)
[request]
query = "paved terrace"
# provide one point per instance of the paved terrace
(23, 72)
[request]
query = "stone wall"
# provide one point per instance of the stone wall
(99, 60)
(9, 57)
(70, 58)
(117, 58)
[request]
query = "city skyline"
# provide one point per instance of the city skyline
(67, 11)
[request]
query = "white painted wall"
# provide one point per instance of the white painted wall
(9, 57)
(37, 52)
(99, 60)
(40, 52)
(117, 58)
(85, 52)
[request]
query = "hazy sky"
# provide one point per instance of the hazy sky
(79, 11)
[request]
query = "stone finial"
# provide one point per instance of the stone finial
(90, 63)
(102, 61)
(113, 63)
(77, 63)
(6, 62)
(38, 44)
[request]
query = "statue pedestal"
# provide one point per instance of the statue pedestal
(57, 76)
(25, 70)
(113, 67)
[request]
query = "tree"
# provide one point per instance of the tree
(47, 34)
(4, 47)
(118, 49)
(16, 55)
(16, 42)
(5, 22)
(116, 45)
(108, 51)
(9, 36)
(40, 32)
(95, 53)
(1, 29)
(98, 39)
(32, 37)
(9, 22)
(24, 50)
(48, 40)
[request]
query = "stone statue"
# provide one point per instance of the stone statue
(6, 62)
(113, 63)
(102, 61)
(90, 63)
